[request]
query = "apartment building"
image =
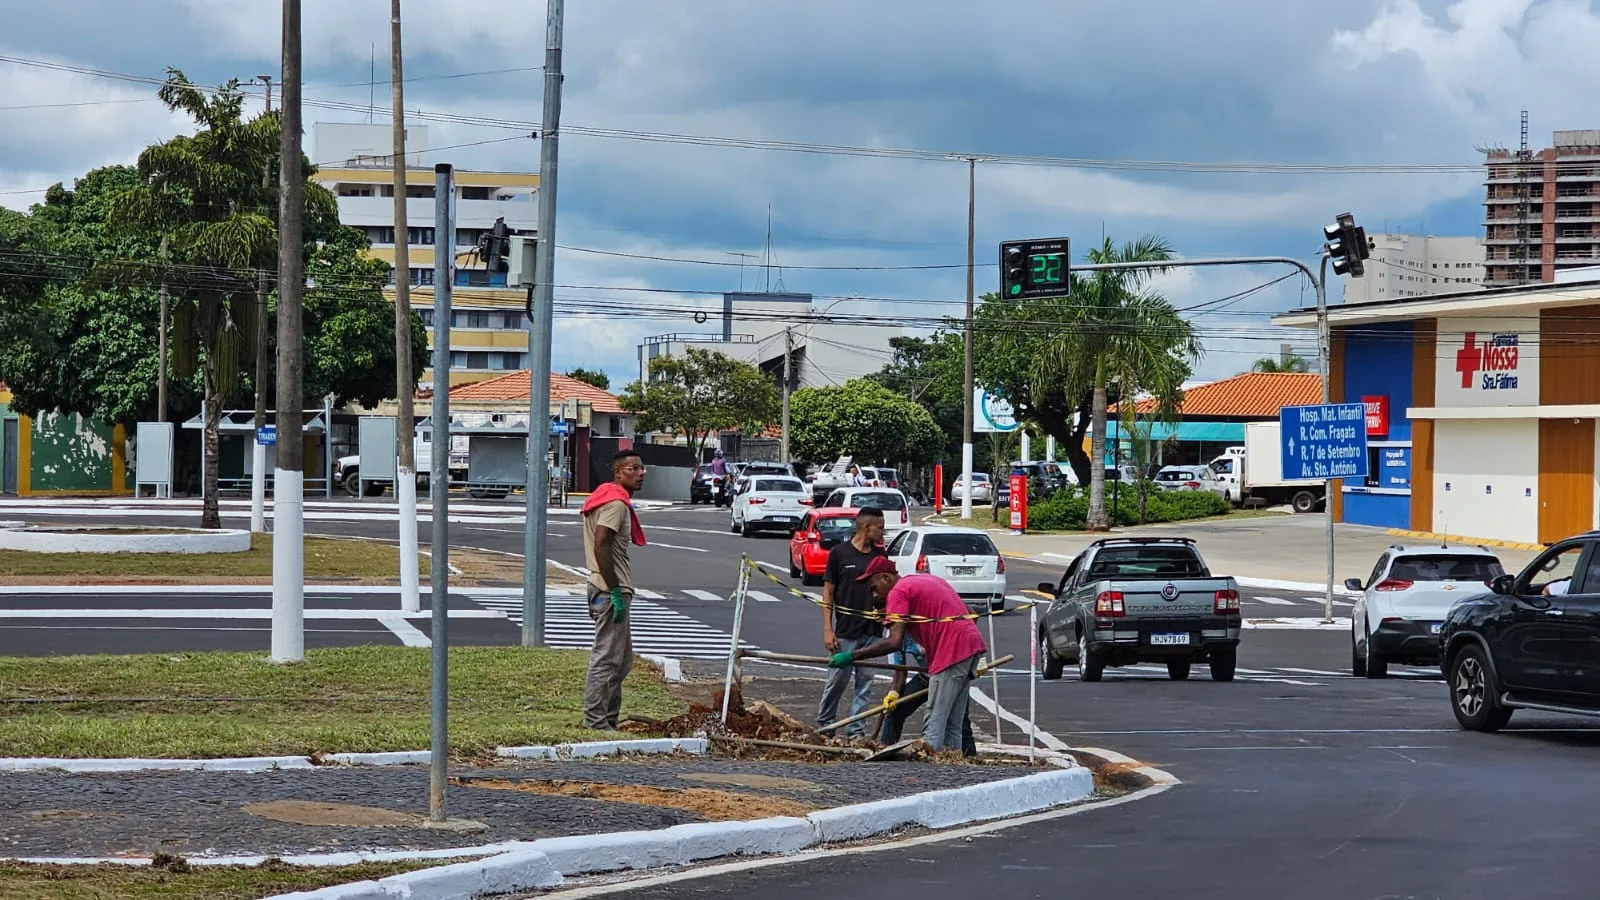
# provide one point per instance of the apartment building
(1542, 209)
(1409, 265)
(488, 335)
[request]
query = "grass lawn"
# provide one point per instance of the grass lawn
(356, 699)
(325, 558)
(181, 882)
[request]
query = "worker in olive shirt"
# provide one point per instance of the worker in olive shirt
(610, 524)
(928, 609)
(849, 619)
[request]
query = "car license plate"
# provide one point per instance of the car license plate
(1434, 627)
(963, 570)
(783, 519)
(1168, 640)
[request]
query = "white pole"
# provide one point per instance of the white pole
(994, 677)
(1050, 448)
(1027, 449)
(738, 624)
(405, 489)
(288, 565)
(258, 487)
(1033, 678)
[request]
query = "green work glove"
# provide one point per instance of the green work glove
(841, 660)
(619, 608)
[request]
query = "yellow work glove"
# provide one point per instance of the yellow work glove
(890, 699)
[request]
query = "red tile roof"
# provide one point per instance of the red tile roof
(1253, 395)
(514, 386)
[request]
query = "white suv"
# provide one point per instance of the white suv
(896, 508)
(1405, 600)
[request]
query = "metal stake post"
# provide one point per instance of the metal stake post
(444, 191)
(1033, 678)
(535, 540)
(994, 676)
(738, 625)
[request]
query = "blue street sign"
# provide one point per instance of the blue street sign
(558, 428)
(1325, 441)
(267, 435)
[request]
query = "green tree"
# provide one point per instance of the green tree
(1118, 332)
(864, 419)
(1290, 363)
(700, 393)
(593, 377)
(928, 371)
(349, 325)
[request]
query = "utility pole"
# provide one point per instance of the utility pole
(258, 450)
(1324, 351)
(788, 383)
(405, 381)
(535, 539)
(444, 228)
(288, 544)
(966, 344)
(161, 339)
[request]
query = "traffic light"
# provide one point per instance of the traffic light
(1347, 245)
(1036, 268)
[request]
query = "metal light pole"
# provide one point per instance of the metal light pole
(444, 191)
(258, 450)
(288, 543)
(535, 539)
(966, 344)
(1324, 351)
(788, 382)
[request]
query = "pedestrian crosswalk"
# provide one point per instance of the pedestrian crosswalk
(656, 629)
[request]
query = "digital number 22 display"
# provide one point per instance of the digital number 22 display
(1046, 268)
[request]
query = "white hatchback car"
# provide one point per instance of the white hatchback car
(982, 489)
(965, 557)
(1405, 600)
(770, 502)
(896, 508)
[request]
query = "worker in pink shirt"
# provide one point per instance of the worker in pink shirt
(928, 608)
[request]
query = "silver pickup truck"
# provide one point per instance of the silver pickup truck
(1134, 600)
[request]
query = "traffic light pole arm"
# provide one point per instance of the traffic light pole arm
(1199, 263)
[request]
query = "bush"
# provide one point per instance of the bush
(1067, 510)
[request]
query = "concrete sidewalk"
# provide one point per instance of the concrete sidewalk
(1281, 547)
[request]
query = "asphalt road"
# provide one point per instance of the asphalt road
(1298, 781)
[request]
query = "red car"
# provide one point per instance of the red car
(818, 532)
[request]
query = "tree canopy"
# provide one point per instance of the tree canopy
(1289, 363)
(593, 377)
(864, 419)
(700, 393)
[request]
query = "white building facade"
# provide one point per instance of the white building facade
(1408, 265)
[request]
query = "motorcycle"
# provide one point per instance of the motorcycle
(719, 491)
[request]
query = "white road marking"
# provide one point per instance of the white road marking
(704, 595)
(761, 597)
(409, 634)
(678, 547)
(351, 614)
(647, 595)
(1275, 601)
(1319, 601)
(1309, 671)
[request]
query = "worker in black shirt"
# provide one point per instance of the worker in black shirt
(849, 616)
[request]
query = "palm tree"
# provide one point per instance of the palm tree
(209, 195)
(1290, 363)
(1117, 332)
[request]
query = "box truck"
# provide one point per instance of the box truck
(1254, 472)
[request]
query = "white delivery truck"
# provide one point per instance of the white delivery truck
(1255, 472)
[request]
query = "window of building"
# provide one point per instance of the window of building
(475, 193)
(419, 236)
(425, 313)
(380, 234)
(417, 191)
(422, 275)
(508, 362)
(355, 190)
(470, 319)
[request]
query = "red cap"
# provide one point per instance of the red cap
(878, 566)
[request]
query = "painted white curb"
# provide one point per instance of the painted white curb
(1277, 584)
(671, 669)
(545, 863)
(587, 750)
(1300, 623)
(99, 539)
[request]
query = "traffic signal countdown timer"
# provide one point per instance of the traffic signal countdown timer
(1037, 268)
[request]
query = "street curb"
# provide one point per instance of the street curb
(671, 669)
(1275, 584)
(584, 750)
(547, 862)
(1432, 536)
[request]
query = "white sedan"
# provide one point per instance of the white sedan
(769, 502)
(982, 489)
(965, 557)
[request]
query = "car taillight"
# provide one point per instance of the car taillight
(1226, 602)
(758, 499)
(1392, 584)
(813, 537)
(1109, 603)
(1000, 564)
(922, 564)
(806, 501)
(904, 519)
(1192, 484)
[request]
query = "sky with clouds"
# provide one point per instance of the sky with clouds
(1367, 82)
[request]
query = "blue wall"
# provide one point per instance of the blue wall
(1377, 361)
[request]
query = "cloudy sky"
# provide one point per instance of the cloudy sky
(1360, 84)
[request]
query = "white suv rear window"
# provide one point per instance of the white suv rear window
(1446, 567)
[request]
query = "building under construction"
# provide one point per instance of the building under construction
(1542, 208)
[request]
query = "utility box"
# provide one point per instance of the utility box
(522, 260)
